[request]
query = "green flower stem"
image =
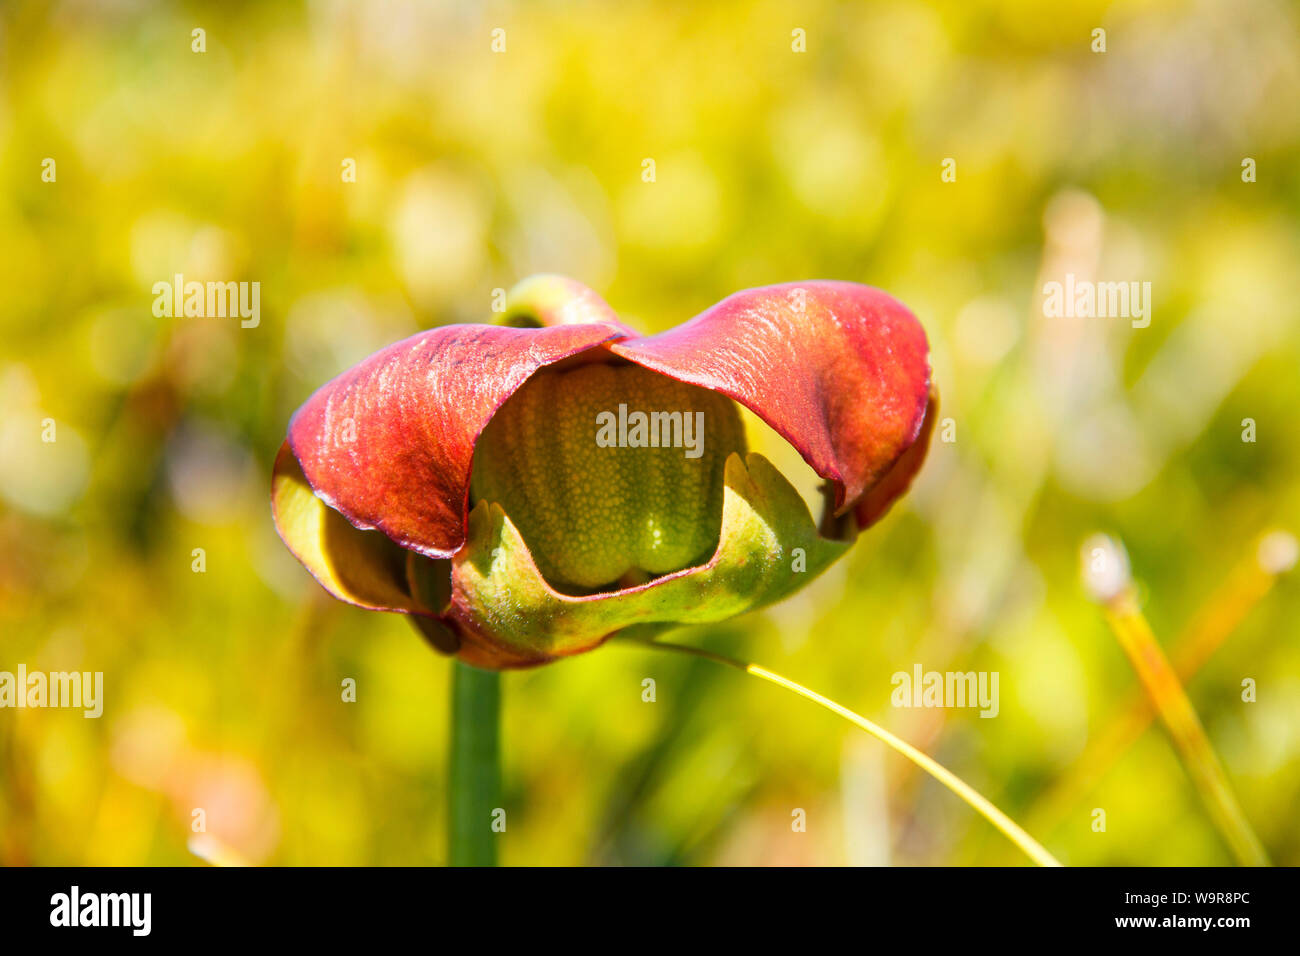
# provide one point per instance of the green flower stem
(474, 773)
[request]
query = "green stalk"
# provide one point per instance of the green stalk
(1184, 726)
(975, 800)
(474, 772)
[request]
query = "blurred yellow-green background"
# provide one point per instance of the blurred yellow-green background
(477, 167)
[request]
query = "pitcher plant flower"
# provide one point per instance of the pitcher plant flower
(527, 489)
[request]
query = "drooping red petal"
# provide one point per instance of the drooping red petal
(840, 370)
(390, 442)
(893, 483)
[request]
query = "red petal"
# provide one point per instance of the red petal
(898, 479)
(841, 371)
(389, 443)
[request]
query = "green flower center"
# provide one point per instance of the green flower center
(613, 474)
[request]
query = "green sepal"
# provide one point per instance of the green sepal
(364, 568)
(360, 567)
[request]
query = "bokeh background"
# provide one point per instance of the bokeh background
(476, 168)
